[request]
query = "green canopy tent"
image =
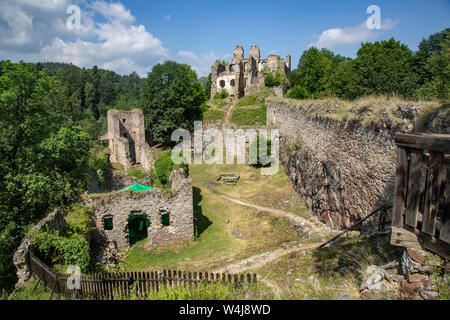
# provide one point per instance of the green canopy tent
(137, 187)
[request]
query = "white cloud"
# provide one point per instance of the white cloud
(200, 64)
(114, 12)
(35, 30)
(167, 17)
(350, 35)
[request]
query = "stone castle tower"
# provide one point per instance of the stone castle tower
(243, 73)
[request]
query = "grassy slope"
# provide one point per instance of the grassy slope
(216, 246)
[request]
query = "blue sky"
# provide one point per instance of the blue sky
(133, 35)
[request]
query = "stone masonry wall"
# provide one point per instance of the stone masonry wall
(152, 203)
(54, 221)
(344, 170)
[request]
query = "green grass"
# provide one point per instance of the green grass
(214, 245)
(213, 114)
(137, 173)
(249, 116)
(25, 292)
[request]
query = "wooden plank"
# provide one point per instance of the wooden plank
(404, 238)
(432, 142)
(413, 198)
(432, 192)
(400, 187)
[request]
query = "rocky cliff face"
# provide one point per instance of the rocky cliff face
(344, 169)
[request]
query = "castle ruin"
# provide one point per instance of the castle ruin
(126, 137)
(239, 76)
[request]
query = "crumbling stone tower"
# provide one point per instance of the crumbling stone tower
(126, 137)
(238, 77)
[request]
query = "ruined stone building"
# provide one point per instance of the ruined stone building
(238, 77)
(126, 137)
(124, 217)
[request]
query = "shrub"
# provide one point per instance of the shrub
(271, 80)
(62, 250)
(221, 95)
(79, 222)
(100, 163)
(163, 168)
(298, 92)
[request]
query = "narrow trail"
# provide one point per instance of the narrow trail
(314, 226)
(261, 259)
(228, 117)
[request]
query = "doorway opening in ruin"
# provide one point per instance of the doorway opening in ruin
(137, 228)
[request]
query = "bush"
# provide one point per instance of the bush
(271, 80)
(221, 95)
(79, 222)
(298, 92)
(163, 168)
(100, 163)
(62, 250)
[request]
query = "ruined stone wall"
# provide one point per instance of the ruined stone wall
(153, 204)
(54, 221)
(126, 138)
(343, 169)
(247, 72)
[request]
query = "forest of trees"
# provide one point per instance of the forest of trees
(386, 67)
(51, 115)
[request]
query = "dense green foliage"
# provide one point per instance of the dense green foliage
(273, 80)
(59, 249)
(50, 114)
(206, 84)
(172, 98)
(386, 67)
(223, 94)
(163, 168)
(43, 156)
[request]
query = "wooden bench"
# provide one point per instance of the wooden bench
(229, 178)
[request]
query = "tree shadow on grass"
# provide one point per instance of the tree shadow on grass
(201, 223)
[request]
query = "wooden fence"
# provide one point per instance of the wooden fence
(116, 285)
(421, 212)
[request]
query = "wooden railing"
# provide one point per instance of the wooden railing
(421, 211)
(117, 285)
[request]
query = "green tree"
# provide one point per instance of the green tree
(41, 164)
(314, 69)
(384, 68)
(171, 98)
(206, 84)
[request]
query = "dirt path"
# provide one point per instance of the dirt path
(260, 260)
(313, 226)
(228, 118)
